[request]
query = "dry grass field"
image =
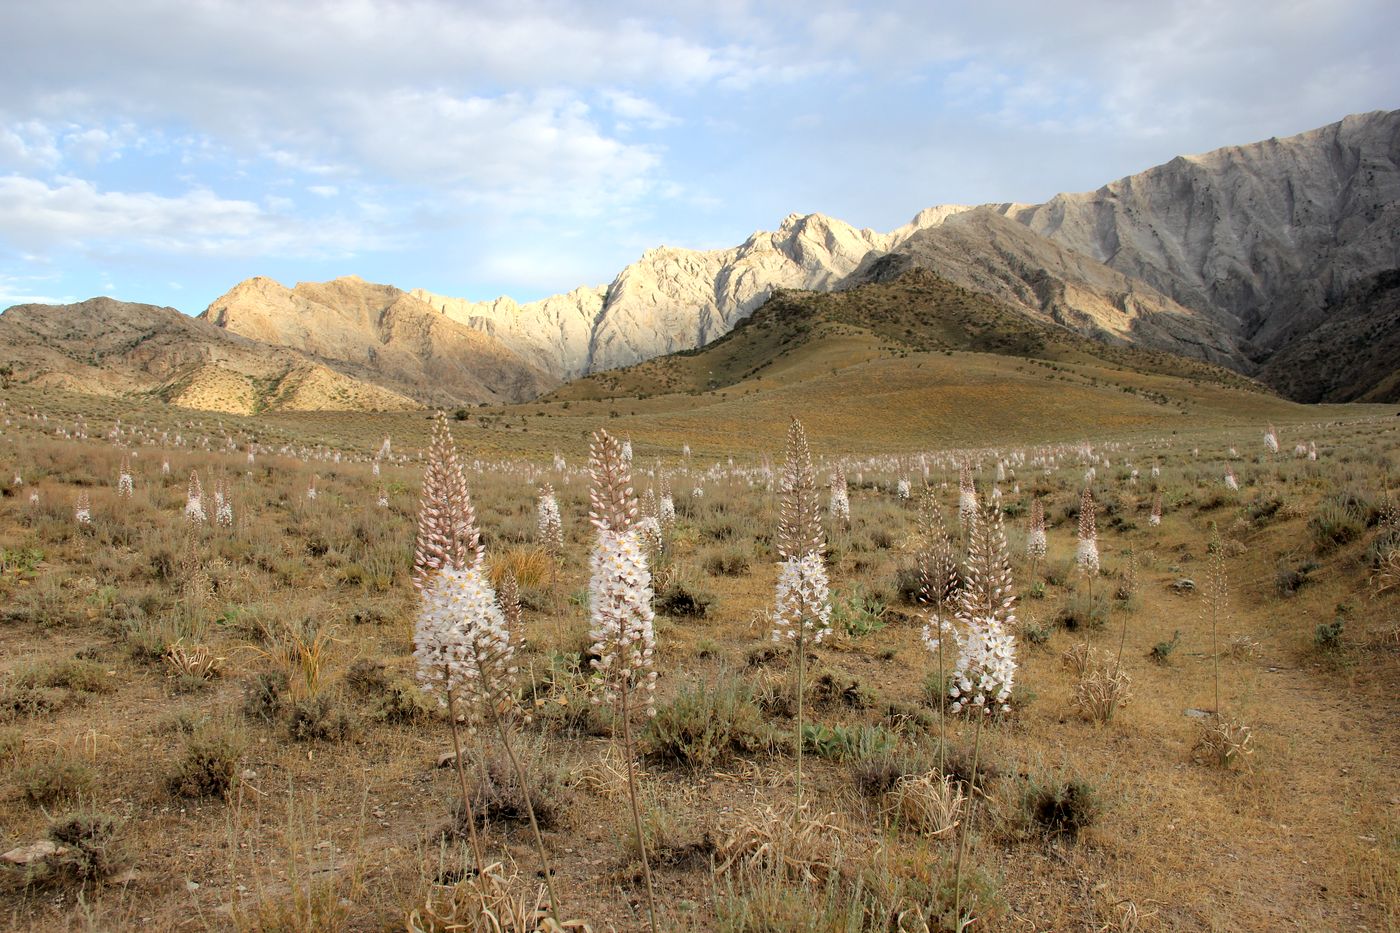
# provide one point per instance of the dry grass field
(217, 727)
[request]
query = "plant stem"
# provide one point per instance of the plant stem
(462, 778)
(554, 906)
(636, 813)
(967, 824)
(801, 695)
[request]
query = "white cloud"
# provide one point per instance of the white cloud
(631, 109)
(74, 213)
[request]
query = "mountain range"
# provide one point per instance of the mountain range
(1278, 260)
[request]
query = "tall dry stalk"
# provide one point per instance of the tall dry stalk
(938, 590)
(620, 597)
(447, 535)
(803, 611)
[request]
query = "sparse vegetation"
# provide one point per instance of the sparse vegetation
(294, 627)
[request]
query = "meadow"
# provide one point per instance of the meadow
(217, 724)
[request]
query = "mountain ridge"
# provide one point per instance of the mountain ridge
(1229, 256)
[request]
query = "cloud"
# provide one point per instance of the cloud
(631, 109)
(74, 213)
(29, 288)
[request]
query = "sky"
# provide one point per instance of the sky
(162, 152)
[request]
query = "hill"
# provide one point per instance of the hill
(114, 348)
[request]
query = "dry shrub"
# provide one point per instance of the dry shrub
(195, 662)
(301, 651)
(1100, 691)
(493, 902)
(209, 767)
(783, 842)
(1058, 807)
(607, 776)
(1223, 742)
(56, 778)
(930, 803)
(702, 726)
(532, 567)
(320, 718)
(1081, 658)
(88, 846)
(497, 796)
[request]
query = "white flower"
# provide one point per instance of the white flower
(986, 667)
(1271, 440)
(1230, 481)
(551, 526)
(1087, 557)
(124, 486)
(804, 599)
(901, 490)
(619, 591)
(194, 509)
(667, 510)
(1035, 543)
(840, 501)
(461, 641)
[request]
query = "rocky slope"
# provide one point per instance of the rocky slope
(109, 347)
(405, 344)
(985, 252)
(1353, 355)
(1260, 236)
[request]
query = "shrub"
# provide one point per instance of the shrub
(209, 767)
(877, 775)
(847, 743)
(726, 562)
(705, 725)
(497, 796)
(1328, 635)
(1290, 578)
(1080, 611)
(60, 777)
(89, 848)
(678, 599)
(1060, 808)
(858, 613)
(908, 585)
(1337, 521)
(78, 674)
(1162, 651)
(320, 718)
(265, 696)
(929, 803)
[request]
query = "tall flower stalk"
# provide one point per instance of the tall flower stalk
(620, 597)
(1035, 537)
(938, 591)
(447, 535)
(463, 639)
(1087, 557)
(803, 613)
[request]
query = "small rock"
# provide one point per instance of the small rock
(1197, 714)
(446, 759)
(33, 853)
(191, 885)
(1184, 585)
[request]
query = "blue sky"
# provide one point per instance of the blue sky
(164, 151)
